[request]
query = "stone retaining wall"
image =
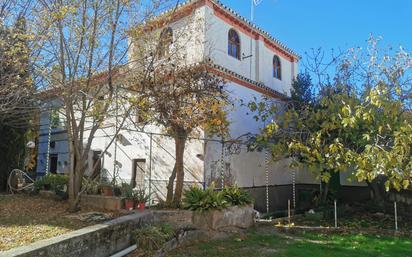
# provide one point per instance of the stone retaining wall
(95, 241)
(106, 239)
(110, 203)
(227, 220)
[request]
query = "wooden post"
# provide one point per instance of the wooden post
(336, 215)
(396, 216)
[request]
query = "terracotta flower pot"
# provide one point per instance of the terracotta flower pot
(128, 204)
(106, 190)
(141, 206)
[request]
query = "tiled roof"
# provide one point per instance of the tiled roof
(242, 19)
(250, 81)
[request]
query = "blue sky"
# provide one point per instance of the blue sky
(305, 24)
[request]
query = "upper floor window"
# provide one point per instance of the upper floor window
(277, 69)
(165, 41)
(233, 47)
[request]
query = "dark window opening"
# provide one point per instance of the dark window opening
(233, 47)
(277, 69)
(97, 164)
(166, 40)
(138, 172)
(53, 163)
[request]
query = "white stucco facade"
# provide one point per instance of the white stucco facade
(249, 77)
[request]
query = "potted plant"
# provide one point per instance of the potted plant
(129, 196)
(106, 189)
(141, 198)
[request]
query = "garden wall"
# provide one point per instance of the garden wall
(108, 238)
(110, 203)
(95, 241)
(231, 219)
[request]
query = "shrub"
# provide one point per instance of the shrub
(140, 195)
(55, 182)
(236, 196)
(151, 238)
(196, 199)
(127, 191)
(91, 186)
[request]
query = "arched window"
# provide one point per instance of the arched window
(233, 46)
(166, 40)
(277, 69)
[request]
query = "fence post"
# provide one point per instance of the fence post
(48, 144)
(336, 215)
(294, 189)
(222, 172)
(396, 216)
(289, 211)
(205, 142)
(267, 180)
(150, 169)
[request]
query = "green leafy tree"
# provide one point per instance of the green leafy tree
(16, 93)
(360, 123)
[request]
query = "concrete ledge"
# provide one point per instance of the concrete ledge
(95, 241)
(231, 219)
(176, 218)
(110, 203)
(227, 220)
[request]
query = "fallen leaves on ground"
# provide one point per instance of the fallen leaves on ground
(25, 219)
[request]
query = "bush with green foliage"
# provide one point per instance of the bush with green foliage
(140, 195)
(54, 182)
(197, 199)
(91, 186)
(127, 191)
(151, 238)
(236, 196)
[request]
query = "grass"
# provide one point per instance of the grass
(263, 244)
(359, 220)
(26, 219)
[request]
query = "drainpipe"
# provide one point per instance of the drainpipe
(126, 251)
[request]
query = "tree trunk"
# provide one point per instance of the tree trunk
(169, 196)
(324, 193)
(377, 188)
(180, 142)
(71, 187)
(75, 183)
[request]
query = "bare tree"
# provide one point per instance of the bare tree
(84, 57)
(174, 88)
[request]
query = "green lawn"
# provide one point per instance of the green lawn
(258, 244)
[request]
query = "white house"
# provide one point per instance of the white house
(254, 64)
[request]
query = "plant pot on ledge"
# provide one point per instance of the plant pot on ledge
(141, 198)
(140, 206)
(106, 190)
(128, 204)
